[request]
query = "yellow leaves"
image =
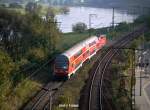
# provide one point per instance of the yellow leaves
(19, 95)
(6, 65)
(37, 53)
(37, 29)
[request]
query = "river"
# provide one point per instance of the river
(100, 17)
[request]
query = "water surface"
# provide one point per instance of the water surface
(101, 17)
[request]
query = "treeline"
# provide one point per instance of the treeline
(21, 33)
(24, 39)
(100, 3)
(51, 2)
(118, 3)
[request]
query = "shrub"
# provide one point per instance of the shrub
(36, 54)
(79, 27)
(122, 27)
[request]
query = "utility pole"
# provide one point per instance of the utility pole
(50, 95)
(142, 61)
(50, 100)
(90, 24)
(132, 81)
(113, 18)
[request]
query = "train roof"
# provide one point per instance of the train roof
(69, 53)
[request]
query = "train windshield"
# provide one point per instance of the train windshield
(61, 62)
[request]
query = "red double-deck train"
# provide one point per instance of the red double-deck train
(71, 60)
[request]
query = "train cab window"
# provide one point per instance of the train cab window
(61, 62)
(103, 37)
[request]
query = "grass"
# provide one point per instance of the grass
(70, 39)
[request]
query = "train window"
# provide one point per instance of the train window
(93, 51)
(61, 62)
(78, 54)
(72, 65)
(86, 53)
(77, 64)
(90, 44)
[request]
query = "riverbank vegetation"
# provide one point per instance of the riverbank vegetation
(79, 27)
(42, 9)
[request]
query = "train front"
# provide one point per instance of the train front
(61, 66)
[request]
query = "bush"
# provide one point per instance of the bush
(36, 54)
(32, 32)
(122, 27)
(19, 95)
(79, 27)
(143, 19)
(6, 68)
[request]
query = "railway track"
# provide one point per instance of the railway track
(92, 100)
(40, 99)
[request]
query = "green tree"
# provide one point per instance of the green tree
(10, 24)
(79, 27)
(23, 37)
(6, 68)
(19, 33)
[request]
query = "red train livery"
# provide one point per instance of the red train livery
(71, 60)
